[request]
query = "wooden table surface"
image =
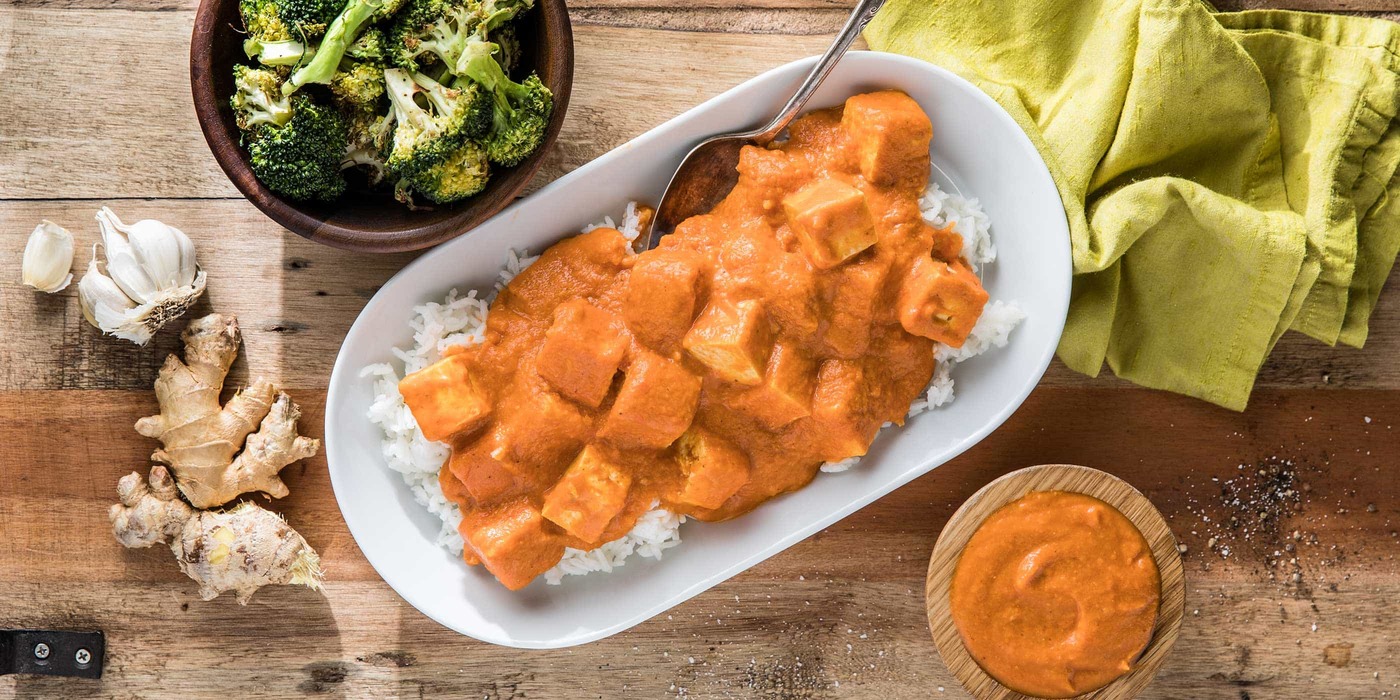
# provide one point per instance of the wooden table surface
(95, 109)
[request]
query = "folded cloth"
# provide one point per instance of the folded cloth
(1227, 176)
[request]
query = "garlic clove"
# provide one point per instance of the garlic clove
(189, 268)
(48, 257)
(151, 277)
(162, 251)
(123, 266)
(102, 301)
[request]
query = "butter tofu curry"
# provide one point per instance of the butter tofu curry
(778, 332)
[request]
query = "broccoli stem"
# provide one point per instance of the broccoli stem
(401, 89)
(289, 52)
(479, 63)
(344, 30)
(435, 92)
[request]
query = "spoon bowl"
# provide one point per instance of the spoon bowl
(710, 170)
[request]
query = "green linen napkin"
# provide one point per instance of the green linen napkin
(1227, 176)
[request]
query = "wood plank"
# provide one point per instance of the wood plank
(143, 141)
(1248, 629)
(724, 14)
(296, 301)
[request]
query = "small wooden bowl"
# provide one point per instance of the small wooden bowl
(364, 219)
(1055, 477)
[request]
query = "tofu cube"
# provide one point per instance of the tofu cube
(483, 477)
(714, 468)
(514, 543)
(589, 495)
(853, 309)
(732, 339)
(656, 404)
(841, 407)
(539, 434)
(831, 221)
(940, 301)
(891, 135)
(445, 399)
(786, 392)
(581, 351)
(661, 292)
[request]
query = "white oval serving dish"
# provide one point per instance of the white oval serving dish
(975, 142)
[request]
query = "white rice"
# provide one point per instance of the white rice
(460, 320)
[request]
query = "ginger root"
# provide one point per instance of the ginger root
(239, 550)
(201, 439)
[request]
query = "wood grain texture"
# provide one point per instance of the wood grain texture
(297, 299)
(840, 615)
(144, 141)
(1054, 477)
(859, 582)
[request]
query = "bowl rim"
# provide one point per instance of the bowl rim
(344, 375)
(1055, 477)
(275, 207)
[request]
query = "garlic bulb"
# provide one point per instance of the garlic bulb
(151, 278)
(48, 257)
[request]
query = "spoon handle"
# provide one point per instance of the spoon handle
(862, 14)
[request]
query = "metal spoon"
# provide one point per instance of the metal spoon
(709, 172)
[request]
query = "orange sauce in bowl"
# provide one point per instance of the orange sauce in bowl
(1056, 594)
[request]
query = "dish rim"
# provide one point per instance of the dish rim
(877, 490)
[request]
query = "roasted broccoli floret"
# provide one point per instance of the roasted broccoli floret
(427, 134)
(521, 114)
(281, 32)
(258, 99)
(462, 174)
(429, 31)
(284, 20)
(360, 86)
(508, 55)
(369, 139)
(289, 52)
(300, 158)
(344, 30)
(371, 48)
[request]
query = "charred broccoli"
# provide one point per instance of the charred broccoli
(300, 158)
(344, 30)
(429, 31)
(359, 87)
(369, 139)
(280, 32)
(418, 90)
(372, 48)
(258, 99)
(429, 133)
(283, 20)
(462, 174)
(521, 114)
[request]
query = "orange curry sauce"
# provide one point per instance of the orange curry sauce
(715, 372)
(1056, 594)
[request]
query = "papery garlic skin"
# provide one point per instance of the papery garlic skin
(48, 257)
(151, 278)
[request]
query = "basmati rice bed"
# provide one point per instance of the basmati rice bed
(460, 319)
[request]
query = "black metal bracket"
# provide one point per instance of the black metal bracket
(52, 653)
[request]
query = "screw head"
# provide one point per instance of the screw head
(41, 651)
(83, 656)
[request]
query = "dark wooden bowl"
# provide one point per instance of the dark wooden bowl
(364, 219)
